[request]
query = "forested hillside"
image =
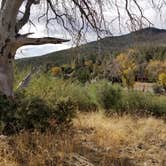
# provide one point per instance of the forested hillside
(149, 41)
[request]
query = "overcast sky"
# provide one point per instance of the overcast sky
(41, 31)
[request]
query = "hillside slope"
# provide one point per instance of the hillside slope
(146, 38)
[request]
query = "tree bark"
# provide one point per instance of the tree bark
(6, 76)
(8, 14)
(7, 53)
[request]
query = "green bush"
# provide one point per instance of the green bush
(33, 113)
(133, 101)
(51, 89)
(83, 75)
(94, 96)
(46, 92)
(143, 103)
(106, 95)
(64, 112)
(7, 114)
(157, 106)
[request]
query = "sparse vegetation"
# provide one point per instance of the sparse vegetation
(94, 140)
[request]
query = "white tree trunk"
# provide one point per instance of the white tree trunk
(6, 76)
(11, 40)
(8, 14)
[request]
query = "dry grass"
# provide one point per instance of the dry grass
(145, 87)
(94, 140)
(141, 139)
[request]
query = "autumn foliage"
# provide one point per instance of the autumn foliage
(155, 68)
(127, 68)
(56, 71)
(162, 79)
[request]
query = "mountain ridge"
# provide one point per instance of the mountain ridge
(147, 37)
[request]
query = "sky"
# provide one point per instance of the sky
(40, 30)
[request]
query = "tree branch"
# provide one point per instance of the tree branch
(3, 3)
(25, 82)
(38, 41)
(26, 15)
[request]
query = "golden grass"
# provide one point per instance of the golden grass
(136, 138)
(121, 130)
(113, 141)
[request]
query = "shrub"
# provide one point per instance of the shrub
(86, 97)
(106, 95)
(134, 102)
(7, 114)
(143, 103)
(33, 113)
(83, 75)
(157, 106)
(63, 113)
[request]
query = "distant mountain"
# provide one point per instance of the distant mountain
(144, 38)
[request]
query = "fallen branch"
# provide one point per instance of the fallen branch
(25, 82)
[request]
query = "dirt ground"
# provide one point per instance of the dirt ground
(144, 87)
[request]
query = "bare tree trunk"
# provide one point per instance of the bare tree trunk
(6, 74)
(11, 40)
(6, 61)
(8, 14)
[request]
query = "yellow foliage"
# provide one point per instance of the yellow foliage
(162, 79)
(56, 71)
(127, 68)
(89, 63)
(155, 68)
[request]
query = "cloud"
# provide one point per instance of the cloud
(30, 51)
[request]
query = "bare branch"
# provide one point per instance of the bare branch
(22, 41)
(25, 82)
(26, 14)
(3, 3)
